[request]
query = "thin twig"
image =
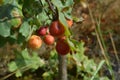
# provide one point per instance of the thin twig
(51, 6)
(113, 44)
(100, 44)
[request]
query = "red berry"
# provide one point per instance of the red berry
(62, 47)
(56, 29)
(49, 39)
(42, 31)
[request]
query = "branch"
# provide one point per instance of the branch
(55, 11)
(51, 6)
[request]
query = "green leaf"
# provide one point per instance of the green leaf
(24, 61)
(58, 4)
(37, 61)
(12, 66)
(99, 67)
(5, 29)
(79, 46)
(89, 66)
(47, 75)
(62, 5)
(5, 11)
(64, 23)
(79, 57)
(25, 29)
(53, 54)
(69, 3)
(15, 22)
(31, 8)
(65, 7)
(43, 18)
(68, 13)
(18, 73)
(77, 19)
(25, 54)
(20, 39)
(64, 11)
(71, 44)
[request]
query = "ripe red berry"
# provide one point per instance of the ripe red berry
(56, 29)
(42, 31)
(62, 47)
(49, 39)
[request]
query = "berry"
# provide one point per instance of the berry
(42, 31)
(70, 23)
(34, 42)
(56, 29)
(49, 39)
(62, 47)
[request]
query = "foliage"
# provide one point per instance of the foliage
(86, 68)
(25, 61)
(19, 19)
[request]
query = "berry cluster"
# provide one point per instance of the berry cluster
(53, 33)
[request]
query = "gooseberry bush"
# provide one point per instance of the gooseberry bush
(30, 24)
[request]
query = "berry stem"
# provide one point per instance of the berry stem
(51, 6)
(53, 9)
(62, 67)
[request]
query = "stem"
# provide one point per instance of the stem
(51, 6)
(54, 10)
(114, 47)
(62, 67)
